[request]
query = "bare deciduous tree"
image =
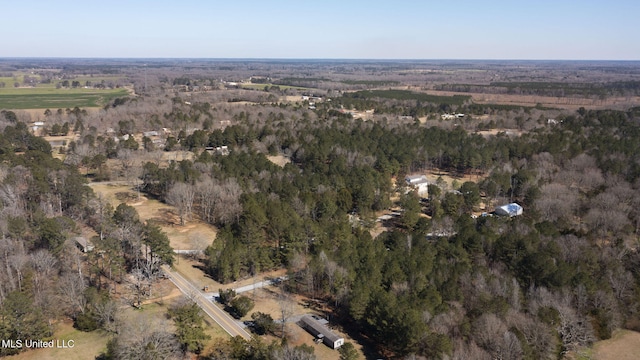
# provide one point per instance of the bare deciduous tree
(536, 333)
(557, 202)
(106, 312)
(141, 337)
(71, 289)
(181, 196)
(293, 353)
(287, 308)
(127, 160)
(219, 202)
(44, 265)
(493, 335)
(464, 350)
(138, 284)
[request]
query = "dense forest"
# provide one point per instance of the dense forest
(444, 279)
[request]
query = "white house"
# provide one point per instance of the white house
(418, 183)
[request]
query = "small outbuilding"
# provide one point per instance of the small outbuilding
(509, 210)
(83, 244)
(317, 328)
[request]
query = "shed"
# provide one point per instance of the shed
(84, 244)
(320, 331)
(509, 210)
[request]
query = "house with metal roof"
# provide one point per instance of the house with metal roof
(509, 210)
(418, 183)
(316, 328)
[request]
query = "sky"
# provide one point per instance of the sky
(327, 29)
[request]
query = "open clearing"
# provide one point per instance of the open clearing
(87, 345)
(624, 345)
(194, 235)
(279, 160)
(444, 179)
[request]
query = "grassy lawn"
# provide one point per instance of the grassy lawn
(87, 345)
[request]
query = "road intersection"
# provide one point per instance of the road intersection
(205, 302)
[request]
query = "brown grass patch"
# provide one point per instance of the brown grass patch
(194, 234)
(624, 345)
(87, 345)
(447, 179)
(279, 160)
(168, 156)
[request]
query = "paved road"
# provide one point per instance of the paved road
(226, 322)
(230, 325)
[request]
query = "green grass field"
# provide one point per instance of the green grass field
(52, 98)
(47, 96)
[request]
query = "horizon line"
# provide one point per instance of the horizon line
(304, 59)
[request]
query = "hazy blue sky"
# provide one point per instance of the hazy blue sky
(400, 29)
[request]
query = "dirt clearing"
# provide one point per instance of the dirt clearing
(194, 235)
(279, 160)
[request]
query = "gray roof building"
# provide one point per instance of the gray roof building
(320, 331)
